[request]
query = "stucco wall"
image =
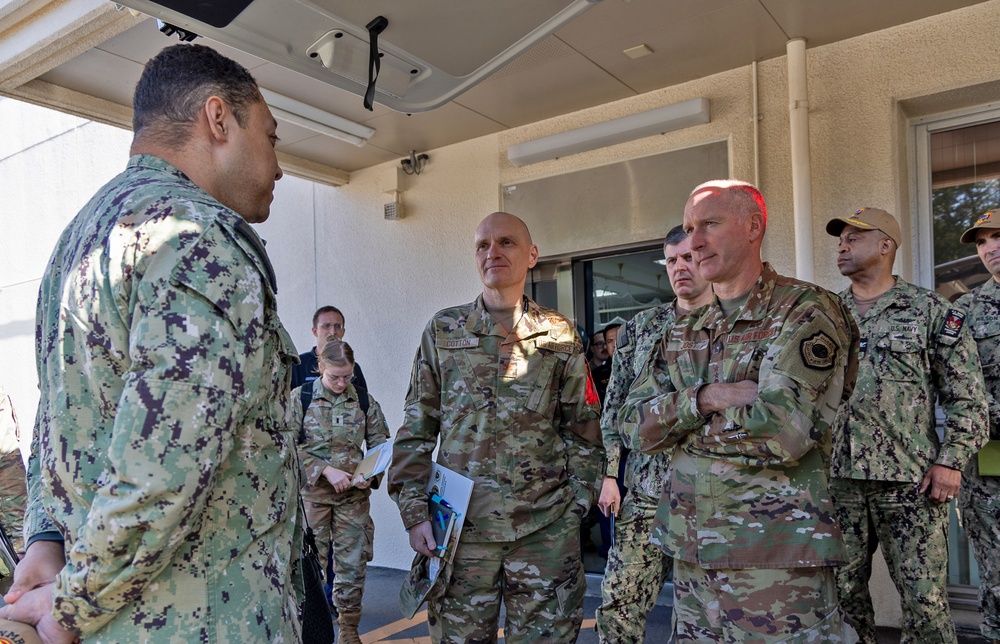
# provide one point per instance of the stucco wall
(50, 165)
(333, 245)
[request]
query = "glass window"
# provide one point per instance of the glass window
(958, 161)
(601, 289)
(620, 286)
(965, 183)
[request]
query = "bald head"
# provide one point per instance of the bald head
(505, 219)
(504, 254)
(736, 197)
(725, 222)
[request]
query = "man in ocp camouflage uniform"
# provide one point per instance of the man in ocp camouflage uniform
(13, 493)
(744, 392)
(892, 477)
(503, 384)
(979, 497)
(163, 480)
(636, 568)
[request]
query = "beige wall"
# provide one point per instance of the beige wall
(333, 245)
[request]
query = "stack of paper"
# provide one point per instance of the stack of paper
(375, 461)
(454, 492)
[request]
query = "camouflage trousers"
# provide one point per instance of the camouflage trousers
(539, 578)
(13, 496)
(757, 605)
(913, 533)
(979, 499)
(344, 524)
(634, 576)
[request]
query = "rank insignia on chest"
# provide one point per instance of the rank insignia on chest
(953, 323)
(818, 351)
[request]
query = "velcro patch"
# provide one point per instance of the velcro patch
(953, 323)
(458, 343)
(752, 336)
(552, 345)
(622, 340)
(819, 351)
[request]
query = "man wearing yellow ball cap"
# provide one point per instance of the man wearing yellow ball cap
(979, 497)
(892, 479)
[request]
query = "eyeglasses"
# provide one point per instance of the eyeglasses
(600, 344)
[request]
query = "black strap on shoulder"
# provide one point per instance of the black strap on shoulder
(363, 400)
(306, 397)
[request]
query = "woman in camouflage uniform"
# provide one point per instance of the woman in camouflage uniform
(335, 424)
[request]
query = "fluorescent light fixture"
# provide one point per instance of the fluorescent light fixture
(289, 110)
(620, 130)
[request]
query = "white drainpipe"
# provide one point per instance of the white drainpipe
(798, 112)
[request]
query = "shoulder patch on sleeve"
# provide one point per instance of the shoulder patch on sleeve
(592, 397)
(819, 351)
(623, 338)
(953, 323)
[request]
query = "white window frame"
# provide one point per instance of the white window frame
(921, 130)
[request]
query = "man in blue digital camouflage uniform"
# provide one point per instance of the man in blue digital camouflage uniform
(163, 482)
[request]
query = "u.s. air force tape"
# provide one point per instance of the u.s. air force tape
(818, 351)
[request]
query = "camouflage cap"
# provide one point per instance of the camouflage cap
(986, 220)
(867, 219)
(418, 587)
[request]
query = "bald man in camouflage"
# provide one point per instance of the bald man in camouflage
(502, 383)
(744, 392)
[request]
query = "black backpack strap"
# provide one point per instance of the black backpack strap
(363, 400)
(306, 396)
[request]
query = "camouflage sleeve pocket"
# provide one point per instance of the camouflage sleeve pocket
(540, 398)
(900, 357)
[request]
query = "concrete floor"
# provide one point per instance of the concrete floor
(382, 623)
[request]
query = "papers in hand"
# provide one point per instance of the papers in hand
(455, 491)
(375, 461)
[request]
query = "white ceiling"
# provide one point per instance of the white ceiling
(579, 66)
